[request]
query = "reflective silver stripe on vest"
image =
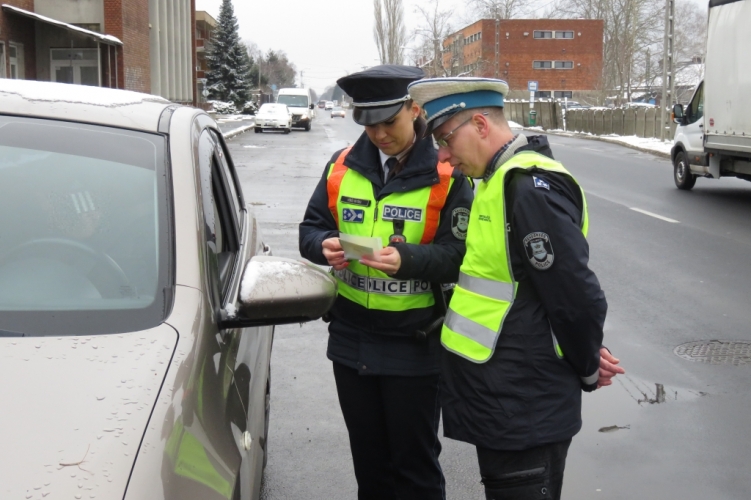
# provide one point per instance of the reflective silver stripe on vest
(592, 378)
(468, 328)
(383, 286)
(488, 288)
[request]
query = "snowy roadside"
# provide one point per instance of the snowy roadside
(232, 125)
(647, 145)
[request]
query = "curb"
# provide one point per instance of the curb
(237, 131)
(577, 135)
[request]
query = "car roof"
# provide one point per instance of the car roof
(63, 101)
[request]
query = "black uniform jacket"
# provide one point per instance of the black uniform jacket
(382, 342)
(524, 395)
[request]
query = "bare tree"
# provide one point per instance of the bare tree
(389, 31)
(499, 9)
(435, 25)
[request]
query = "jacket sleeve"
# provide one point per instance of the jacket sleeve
(439, 262)
(318, 224)
(568, 289)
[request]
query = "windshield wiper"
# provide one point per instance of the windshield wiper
(8, 333)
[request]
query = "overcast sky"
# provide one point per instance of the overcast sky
(326, 39)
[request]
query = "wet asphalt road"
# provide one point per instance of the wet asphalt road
(667, 283)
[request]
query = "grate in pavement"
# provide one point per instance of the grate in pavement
(716, 352)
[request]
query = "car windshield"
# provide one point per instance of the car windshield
(293, 101)
(84, 229)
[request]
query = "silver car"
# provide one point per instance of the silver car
(137, 301)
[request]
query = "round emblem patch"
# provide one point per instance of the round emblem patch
(539, 250)
(460, 222)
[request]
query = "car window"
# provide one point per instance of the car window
(229, 173)
(84, 228)
(219, 228)
(696, 108)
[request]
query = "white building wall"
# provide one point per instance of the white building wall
(72, 11)
(171, 49)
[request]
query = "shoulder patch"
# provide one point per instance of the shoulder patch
(539, 250)
(541, 183)
(460, 222)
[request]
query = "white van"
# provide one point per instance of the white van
(300, 104)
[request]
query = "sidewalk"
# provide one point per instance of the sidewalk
(645, 145)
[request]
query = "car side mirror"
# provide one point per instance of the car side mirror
(277, 291)
(678, 115)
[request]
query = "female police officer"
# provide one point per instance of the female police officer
(389, 184)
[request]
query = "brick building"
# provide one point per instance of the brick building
(205, 25)
(141, 45)
(562, 55)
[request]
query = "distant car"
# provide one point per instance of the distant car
(321, 104)
(337, 111)
(329, 105)
(273, 116)
(137, 300)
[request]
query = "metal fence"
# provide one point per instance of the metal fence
(641, 122)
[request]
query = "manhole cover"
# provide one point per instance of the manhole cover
(716, 352)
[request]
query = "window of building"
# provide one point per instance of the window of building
(564, 34)
(560, 94)
(15, 57)
(2, 60)
(563, 64)
(79, 66)
(543, 34)
(542, 64)
(543, 93)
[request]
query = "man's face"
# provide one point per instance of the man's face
(461, 150)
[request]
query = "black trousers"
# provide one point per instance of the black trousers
(393, 434)
(533, 474)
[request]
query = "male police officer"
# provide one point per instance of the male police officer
(523, 332)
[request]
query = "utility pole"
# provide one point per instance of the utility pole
(668, 67)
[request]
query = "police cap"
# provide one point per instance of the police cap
(442, 98)
(378, 93)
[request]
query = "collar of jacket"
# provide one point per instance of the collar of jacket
(503, 155)
(419, 171)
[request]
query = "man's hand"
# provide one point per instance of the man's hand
(334, 253)
(608, 368)
(390, 261)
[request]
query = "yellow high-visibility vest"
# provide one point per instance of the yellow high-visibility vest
(356, 211)
(486, 288)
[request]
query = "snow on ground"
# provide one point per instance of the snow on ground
(514, 124)
(233, 118)
(650, 143)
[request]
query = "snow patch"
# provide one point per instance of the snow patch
(649, 143)
(230, 311)
(512, 124)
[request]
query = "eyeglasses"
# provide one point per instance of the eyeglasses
(443, 141)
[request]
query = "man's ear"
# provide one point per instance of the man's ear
(482, 124)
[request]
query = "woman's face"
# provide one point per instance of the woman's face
(397, 134)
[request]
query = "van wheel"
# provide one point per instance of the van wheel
(258, 130)
(682, 175)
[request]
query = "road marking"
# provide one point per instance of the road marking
(666, 219)
(590, 149)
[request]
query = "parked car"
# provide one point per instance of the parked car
(137, 301)
(272, 116)
(337, 111)
(329, 105)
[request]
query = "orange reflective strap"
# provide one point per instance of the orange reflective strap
(334, 183)
(438, 194)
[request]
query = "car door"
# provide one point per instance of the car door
(249, 349)
(694, 130)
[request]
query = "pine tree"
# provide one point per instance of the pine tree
(227, 78)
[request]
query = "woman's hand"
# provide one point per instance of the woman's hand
(334, 253)
(389, 260)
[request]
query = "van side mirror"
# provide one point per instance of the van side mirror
(277, 291)
(311, 106)
(678, 115)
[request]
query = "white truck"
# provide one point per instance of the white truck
(300, 104)
(713, 136)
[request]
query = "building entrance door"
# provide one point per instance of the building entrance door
(79, 66)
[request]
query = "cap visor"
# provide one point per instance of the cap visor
(375, 115)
